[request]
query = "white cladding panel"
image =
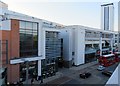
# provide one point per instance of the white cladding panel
(6, 25)
(79, 46)
(39, 68)
(111, 17)
(22, 60)
(102, 18)
(65, 34)
(114, 79)
(119, 25)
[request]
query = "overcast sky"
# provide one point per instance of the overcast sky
(69, 12)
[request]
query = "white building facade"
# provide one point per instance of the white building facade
(107, 17)
(80, 40)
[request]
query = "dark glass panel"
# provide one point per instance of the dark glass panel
(35, 45)
(35, 53)
(28, 39)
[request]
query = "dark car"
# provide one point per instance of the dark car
(85, 75)
(107, 73)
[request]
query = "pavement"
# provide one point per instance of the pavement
(70, 76)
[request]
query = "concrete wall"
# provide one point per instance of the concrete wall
(114, 79)
(119, 25)
(73, 45)
(79, 46)
(102, 18)
(66, 34)
(111, 17)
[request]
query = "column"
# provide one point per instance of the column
(100, 43)
(111, 42)
(92, 44)
(39, 68)
(40, 50)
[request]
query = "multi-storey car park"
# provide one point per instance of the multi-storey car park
(40, 47)
(80, 43)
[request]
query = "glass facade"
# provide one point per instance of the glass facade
(28, 47)
(53, 54)
(53, 45)
(28, 39)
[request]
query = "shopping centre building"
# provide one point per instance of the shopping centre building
(45, 46)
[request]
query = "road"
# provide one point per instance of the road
(71, 76)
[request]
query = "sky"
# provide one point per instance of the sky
(66, 12)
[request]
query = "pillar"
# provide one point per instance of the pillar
(40, 50)
(39, 68)
(111, 42)
(100, 43)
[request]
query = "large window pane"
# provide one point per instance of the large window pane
(34, 26)
(22, 37)
(22, 24)
(28, 25)
(28, 39)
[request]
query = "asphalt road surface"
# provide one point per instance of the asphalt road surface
(71, 77)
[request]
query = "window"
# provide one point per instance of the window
(115, 35)
(28, 39)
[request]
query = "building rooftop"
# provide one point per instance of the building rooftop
(107, 4)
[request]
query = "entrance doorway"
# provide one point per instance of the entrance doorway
(32, 72)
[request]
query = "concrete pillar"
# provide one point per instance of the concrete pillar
(100, 43)
(39, 68)
(104, 44)
(119, 41)
(92, 45)
(111, 42)
(40, 37)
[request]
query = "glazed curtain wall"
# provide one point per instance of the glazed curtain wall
(28, 39)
